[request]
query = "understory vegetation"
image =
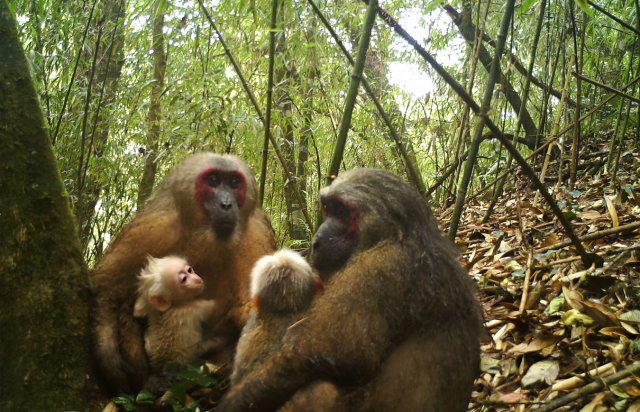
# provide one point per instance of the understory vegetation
(518, 122)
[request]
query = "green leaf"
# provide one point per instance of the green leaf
(570, 215)
(575, 193)
(525, 6)
(631, 316)
(179, 393)
(145, 397)
(126, 401)
(555, 304)
(432, 5)
(573, 317)
(585, 7)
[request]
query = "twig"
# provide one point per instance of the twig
(594, 386)
(527, 280)
(574, 258)
(592, 236)
(614, 18)
(576, 381)
(607, 88)
(352, 92)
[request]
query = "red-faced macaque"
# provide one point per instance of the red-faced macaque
(397, 327)
(168, 295)
(206, 211)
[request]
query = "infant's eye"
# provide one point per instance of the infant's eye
(189, 269)
(183, 278)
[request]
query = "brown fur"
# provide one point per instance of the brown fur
(398, 326)
(173, 223)
(282, 287)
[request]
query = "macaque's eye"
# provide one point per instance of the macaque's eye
(183, 278)
(341, 211)
(213, 180)
(235, 182)
(189, 269)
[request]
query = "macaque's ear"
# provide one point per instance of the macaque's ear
(160, 302)
(318, 286)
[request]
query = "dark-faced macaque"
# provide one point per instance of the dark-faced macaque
(282, 287)
(398, 326)
(205, 210)
(168, 295)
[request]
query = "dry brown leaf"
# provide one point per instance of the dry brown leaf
(590, 215)
(596, 403)
(513, 397)
(544, 371)
(600, 313)
(536, 345)
(110, 407)
(550, 239)
(613, 331)
(635, 407)
(629, 328)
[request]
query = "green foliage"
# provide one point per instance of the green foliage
(184, 379)
(101, 145)
(133, 403)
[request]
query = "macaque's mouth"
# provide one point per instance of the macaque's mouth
(224, 228)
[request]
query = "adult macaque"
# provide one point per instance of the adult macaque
(282, 287)
(168, 295)
(204, 210)
(398, 326)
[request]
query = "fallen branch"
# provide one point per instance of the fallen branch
(577, 381)
(598, 384)
(592, 236)
(575, 258)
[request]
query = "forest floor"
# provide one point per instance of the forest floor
(554, 326)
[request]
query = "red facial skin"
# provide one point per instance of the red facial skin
(337, 237)
(210, 180)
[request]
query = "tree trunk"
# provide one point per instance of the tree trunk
(45, 356)
(153, 120)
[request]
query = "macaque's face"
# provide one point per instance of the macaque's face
(182, 280)
(222, 193)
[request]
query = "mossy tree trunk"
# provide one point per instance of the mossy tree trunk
(45, 348)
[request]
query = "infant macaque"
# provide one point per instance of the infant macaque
(168, 295)
(282, 288)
